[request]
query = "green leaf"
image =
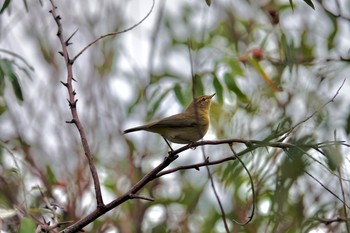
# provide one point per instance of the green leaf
(331, 37)
(208, 2)
(4, 6)
(50, 175)
(231, 85)
(334, 157)
(218, 89)
(179, 95)
(198, 85)
(236, 68)
(27, 225)
(291, 4)
(347, 126)
(156, 103)
(7, 70)
(309, 2)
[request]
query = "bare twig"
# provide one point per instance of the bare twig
(115, 33)
(327, 221)
(72, 103)
(318, 110)
(343, 193)
(344, 199)
(330, 191)
(133, 196)
(252, 186)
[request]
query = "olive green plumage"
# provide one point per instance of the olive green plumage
(183, 128)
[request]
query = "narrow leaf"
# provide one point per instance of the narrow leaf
(198, 85)
(231, 85)
(5, 5)
(262, 72)
(291, 4)
(6, 69)
(179, 95)
(218, 89)
(309, 2)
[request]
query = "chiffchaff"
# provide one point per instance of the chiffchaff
(183, 128)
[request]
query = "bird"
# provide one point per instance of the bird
(183, 128)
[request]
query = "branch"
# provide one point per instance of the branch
(72, 103)
(250, 218)
(251, 145)
(318, 110)
(125, 197)
(114, 33)
(327, 221)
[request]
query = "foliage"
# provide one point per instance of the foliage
(275, 69)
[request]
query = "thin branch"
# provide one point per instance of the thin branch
(344, 198)
(330, 191)
(342, 192)
(251, 145)
(327, 221)
(133, 196)
(223, 214)
(72, 102)
(318, 110)
(252, 186)
(154, 38)
(19, 57)
(114, 33)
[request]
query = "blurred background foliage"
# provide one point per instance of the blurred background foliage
(271, 65)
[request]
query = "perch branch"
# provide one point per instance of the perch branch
(72, 103)
(115, 33)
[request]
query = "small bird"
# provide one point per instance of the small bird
(183, 128)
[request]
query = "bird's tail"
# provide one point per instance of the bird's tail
(134, 129)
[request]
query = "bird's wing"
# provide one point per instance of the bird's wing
(175, 121)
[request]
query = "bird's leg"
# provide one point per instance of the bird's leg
(168, 143)
(191, 145)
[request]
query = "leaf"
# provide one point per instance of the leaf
(347, 127)
(262, 72)
(218, 89)
(291, 4)
(333, 34)
(50, 175)
(293, 166)
(236, 69)
(231, 85)
(179, 95)
(334, 157)
(156, 103)
(4, 6)
(198, 85)
(27, 225)
(208, 2)
(309, 2)
(7, 70)
(26, 5)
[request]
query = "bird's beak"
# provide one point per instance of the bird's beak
(211, 96)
